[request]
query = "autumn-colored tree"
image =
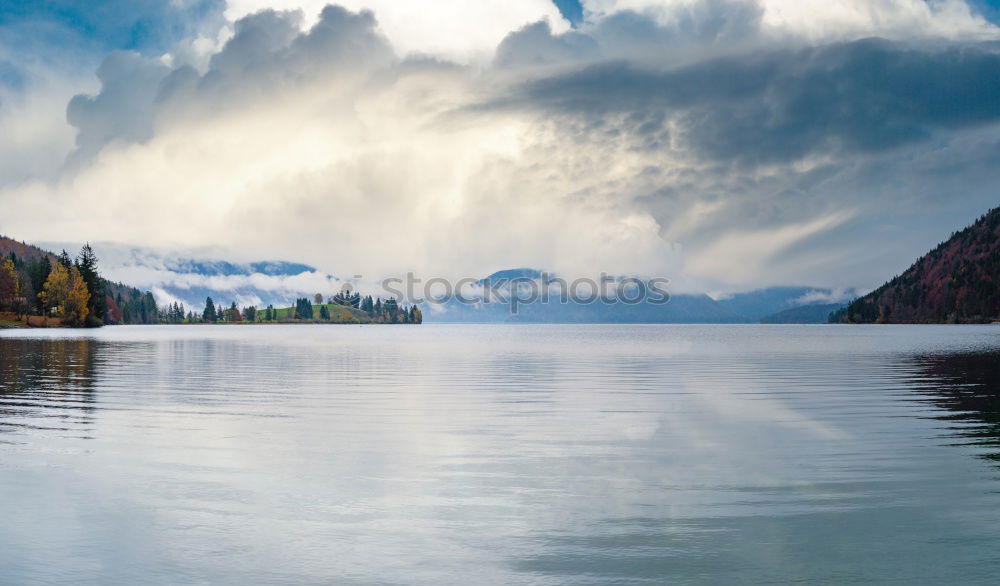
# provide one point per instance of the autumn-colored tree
(66, 291)
(318, 298)
(10, 286)
(114, 312)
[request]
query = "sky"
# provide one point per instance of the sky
(723, 144)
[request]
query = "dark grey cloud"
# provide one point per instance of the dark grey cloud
(268, 45)
(780, 106)
(536, 45)
(696, 25)
(123, 110)
(696, 31)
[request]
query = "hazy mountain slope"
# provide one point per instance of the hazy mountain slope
(22, 249)
(754, 305)
(190, 276)
(680, 309)
(806, 314)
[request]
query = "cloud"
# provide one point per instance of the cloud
(818, 20)
(452, 29)
(123, 110)
(786, 105)
(722, 143)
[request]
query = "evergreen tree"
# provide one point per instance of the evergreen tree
(391, 309)
(65, 260)
(303, 309)
(98, 304)
(324, 313)
(38, 273)
(209, 313)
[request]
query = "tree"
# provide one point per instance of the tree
(209, 314)
(233, 313)
(250, 313)
(67, 292)
(65, 260)
(87, 263)
(324, 313)
(114, 312)
(303, 309)
(10, 285)
(38, 273)
(391, 309)
(173, 313)
(318, 298)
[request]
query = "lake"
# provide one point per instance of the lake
(500, 454)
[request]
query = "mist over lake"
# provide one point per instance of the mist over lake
(532, 454)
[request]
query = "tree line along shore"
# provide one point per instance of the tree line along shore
(343, 308)
(41, 289)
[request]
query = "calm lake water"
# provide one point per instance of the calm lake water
(500, 455)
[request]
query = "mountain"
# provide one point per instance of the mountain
(761, 303)
(189, 277)
(957, 282)
(23, 250)
(225, 268)
(509, 274)
(805, 314)
(680, 309)
(749, 307)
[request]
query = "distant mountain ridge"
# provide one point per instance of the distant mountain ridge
(189, 278)
(804, 314)
(957, 282)
(763, 304)
(683, 308)
(225, 268)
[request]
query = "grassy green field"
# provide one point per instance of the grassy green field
(338, 314)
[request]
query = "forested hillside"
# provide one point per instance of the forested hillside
(38, 282)
(957, 282)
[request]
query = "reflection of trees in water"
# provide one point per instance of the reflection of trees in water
(41, 380)
(967, 385)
